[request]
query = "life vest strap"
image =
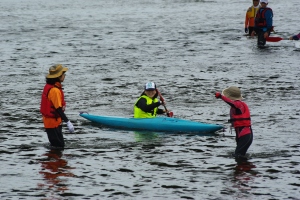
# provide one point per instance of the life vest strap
(239, 119)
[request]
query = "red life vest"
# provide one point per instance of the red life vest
(260, 19)
(47, 109)
(240, 120)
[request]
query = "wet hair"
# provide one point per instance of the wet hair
(52, 81)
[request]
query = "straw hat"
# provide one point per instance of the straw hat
(56, 71)
(233, 93)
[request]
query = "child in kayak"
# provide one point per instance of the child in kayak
(147, 104)
(239, 118)
(295, 37)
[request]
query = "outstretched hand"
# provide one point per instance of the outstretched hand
(218, 95)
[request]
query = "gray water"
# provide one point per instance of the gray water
(191, 49)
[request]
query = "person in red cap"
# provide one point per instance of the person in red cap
(53, 106)
(239, 118)
(147, 104)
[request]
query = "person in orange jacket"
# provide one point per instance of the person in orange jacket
(239, 118)
(250, 17)
(53, 106)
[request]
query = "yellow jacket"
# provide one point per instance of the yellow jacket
(139, 113)
(250, 16)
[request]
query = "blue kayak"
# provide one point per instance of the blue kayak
(159, 124)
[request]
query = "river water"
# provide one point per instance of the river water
(190, 48)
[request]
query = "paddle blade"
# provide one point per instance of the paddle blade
(273, 39)
(170, 114)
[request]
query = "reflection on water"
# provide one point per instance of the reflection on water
(243, 176)
(145, 136)
(244, 169)
(54, 168)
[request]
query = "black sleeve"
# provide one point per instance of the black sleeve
(142, 104)
(160, 111)
(62, 114)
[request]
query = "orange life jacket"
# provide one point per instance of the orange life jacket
(47, 109)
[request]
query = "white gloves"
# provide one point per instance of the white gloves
(70, 126)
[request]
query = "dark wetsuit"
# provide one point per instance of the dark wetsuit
(263, 24)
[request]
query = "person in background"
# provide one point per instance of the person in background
(53, 106)
(147, 104)
(239, 118)
(263, 23)
(250, 17)
(295, 37)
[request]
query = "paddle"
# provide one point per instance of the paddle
(274, 39)
(277, 39)
(169, 114)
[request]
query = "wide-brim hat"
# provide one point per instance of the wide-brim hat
(56, 71)
(150, 86)
(233, 93)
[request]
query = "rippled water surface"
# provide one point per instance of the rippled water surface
(190, 48)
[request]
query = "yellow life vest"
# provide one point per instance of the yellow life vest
(139, 113)
(252, 11)
(250, 16)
